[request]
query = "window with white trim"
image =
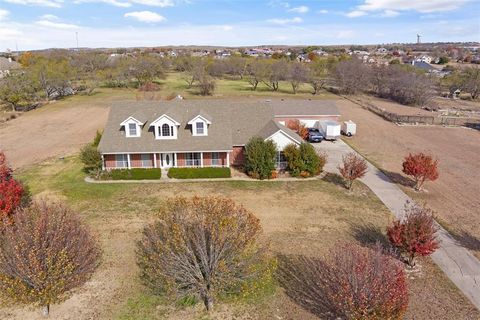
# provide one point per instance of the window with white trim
(200, 127)
(281, 161)
(216, 159)
(132, 129)
(146, 160)
(121, 161)
(192, 159)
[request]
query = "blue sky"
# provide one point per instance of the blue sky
(37, 24)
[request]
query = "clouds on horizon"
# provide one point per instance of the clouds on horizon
(182, 22)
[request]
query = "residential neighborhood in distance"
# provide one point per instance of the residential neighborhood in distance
(277, 159)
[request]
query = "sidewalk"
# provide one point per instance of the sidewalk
(455, 261)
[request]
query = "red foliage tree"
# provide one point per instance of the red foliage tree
(354, 282)
(421, 167)
(298, 127)
(353, 167)
(415, 234)
(11, 191)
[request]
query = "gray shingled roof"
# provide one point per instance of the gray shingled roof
(5, 64)
(233, 123)
(283, 108)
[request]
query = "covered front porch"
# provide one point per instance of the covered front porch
(166, 160)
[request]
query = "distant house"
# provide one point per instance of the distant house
(423, 65)
(424, 58)
(382, 51)
(7, 65)
(201, 133)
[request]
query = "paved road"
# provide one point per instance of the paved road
(456, 261)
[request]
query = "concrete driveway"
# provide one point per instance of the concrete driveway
(456, 261)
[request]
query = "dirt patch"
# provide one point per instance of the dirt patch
(454, 196)
(57, 129)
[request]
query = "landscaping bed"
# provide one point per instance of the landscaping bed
(199, 173)
(133, 174)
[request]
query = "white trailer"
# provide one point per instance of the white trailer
(349, 128)
(329, 129)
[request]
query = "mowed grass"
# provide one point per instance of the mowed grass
(175, 83)
(306, 218)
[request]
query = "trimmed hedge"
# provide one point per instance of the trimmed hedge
(135, 174)
(199, 173)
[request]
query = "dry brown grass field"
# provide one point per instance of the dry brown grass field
(297, 217)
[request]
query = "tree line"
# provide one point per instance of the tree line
(57, 74)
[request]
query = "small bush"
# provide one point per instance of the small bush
(91, 158)
(134, 174)
(260, 158)
(199, 173)
(415, 234)
(303, 161)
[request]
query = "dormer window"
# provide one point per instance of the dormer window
(200, 127)
(165, 127)
(133, 127)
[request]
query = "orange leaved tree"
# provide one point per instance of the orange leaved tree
(421, 167)
(12, 192)
(298, 127)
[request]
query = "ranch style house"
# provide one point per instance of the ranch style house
(201, 133)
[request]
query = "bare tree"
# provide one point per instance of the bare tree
(256, 72)
(146, 68)
(45, 253)
(275, 72)
(351, 76)
(319, 73)
(207, 85)
(201, 247)
(297, 74)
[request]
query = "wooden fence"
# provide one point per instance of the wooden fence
(431, 120)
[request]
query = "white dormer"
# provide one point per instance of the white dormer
(165, 127)
(133, 127)
(199, 126)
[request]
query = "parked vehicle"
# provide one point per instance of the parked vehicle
(314, 135)
(349, 128)
(329, 129)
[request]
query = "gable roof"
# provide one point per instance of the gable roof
(235, 122)
(273, 127)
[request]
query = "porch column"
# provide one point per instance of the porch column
(154, 160)
(128, 161)
(103, 163)
(228, 159)
(201, 159)
(175, 159)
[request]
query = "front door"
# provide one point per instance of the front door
(167, 160)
